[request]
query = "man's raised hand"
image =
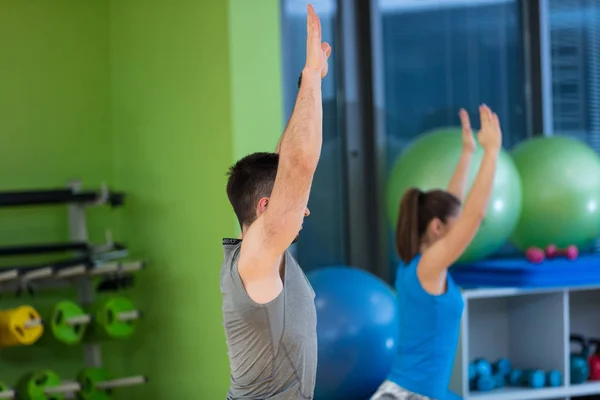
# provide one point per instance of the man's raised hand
(317, 52)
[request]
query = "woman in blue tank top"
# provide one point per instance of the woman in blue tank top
(432, 233)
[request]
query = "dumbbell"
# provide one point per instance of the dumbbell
(20, 326)
(500, 369)
(44, 385)
(484, 383)
(535, 255)
(554, 378)
(6, 392)
(571, 252)
(501, 366)
(515, 377)
(482, 367)
(115, 317)
(499, 380)
(487, 383)
(92, 384)
(66, 323)
(534, 378)
(480, 375)
(97, 383)
(484, 376)
(472, 372)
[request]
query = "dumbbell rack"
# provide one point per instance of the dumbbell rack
(531, 327)
(78, 231)
(77, 200)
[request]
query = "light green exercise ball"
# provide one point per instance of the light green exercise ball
(429, 162)
(561, 192)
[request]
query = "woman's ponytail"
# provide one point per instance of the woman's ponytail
(408, 237)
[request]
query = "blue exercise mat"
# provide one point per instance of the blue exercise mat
(518, 272)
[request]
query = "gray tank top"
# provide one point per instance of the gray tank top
(272, 347)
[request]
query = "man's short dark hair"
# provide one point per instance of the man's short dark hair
(251, 179)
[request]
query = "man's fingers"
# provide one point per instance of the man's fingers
(317, 23)
(310, 19)
(326, 49)
(313, 24)
(315, 49)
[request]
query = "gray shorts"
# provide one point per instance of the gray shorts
(390, 391)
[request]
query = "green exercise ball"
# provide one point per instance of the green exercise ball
(429, 162)
(561, 192)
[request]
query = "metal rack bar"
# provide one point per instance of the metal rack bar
(78, 232)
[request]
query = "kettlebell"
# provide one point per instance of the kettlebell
(594, 360)
(580, 369)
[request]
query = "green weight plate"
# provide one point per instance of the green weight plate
(88, 378)
(106, 317)
(31, 386)
(61, 331)
(22, 387)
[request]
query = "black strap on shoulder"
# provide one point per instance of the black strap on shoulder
(231, 242)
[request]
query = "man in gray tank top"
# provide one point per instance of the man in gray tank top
(268, 304)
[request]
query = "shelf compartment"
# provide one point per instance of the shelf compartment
(521, 328)
(584, 312)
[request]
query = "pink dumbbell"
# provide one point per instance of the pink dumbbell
(535, 255)
(571, 252)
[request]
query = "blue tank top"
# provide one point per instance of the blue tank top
(428, 334)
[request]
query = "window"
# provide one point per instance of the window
(441, 55)
(322, 240)
(431, 57)
(574, 68)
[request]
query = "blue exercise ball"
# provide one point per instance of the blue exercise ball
(357, 330)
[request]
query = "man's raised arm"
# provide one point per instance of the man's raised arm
(299, 151)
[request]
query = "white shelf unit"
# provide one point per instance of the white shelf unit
(530, 327)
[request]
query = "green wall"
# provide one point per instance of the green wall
(172, 130)
(256, 76)
(55, 126)
(54, 105)
(194, 86)
(157, 100)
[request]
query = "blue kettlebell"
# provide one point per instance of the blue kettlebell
(580, 369)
